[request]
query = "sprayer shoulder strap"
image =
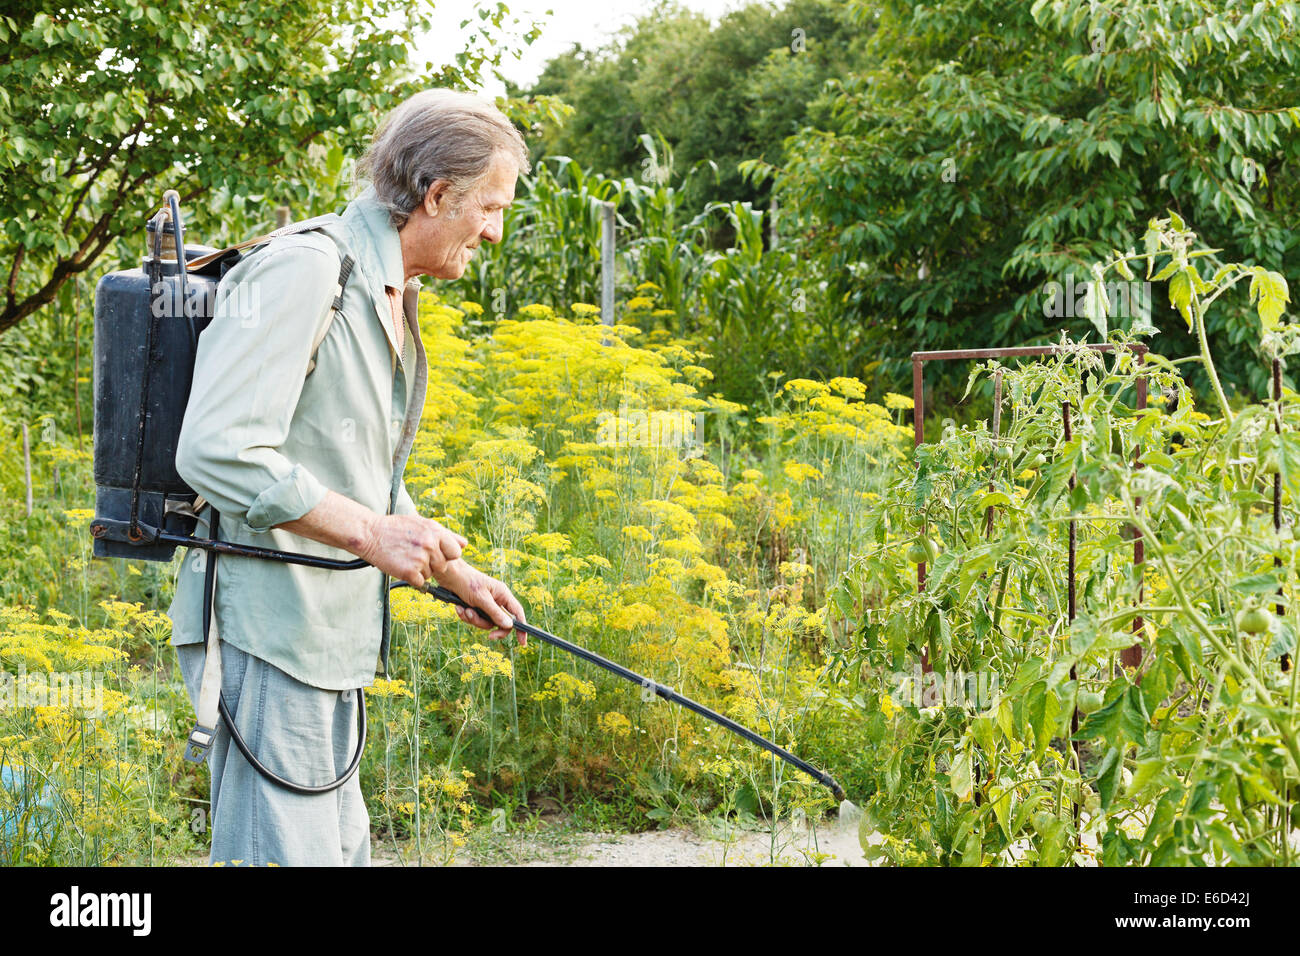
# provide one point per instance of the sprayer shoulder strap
(329, 225)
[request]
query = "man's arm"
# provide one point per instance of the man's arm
(248, 376)
(415, 550)
(408, 547)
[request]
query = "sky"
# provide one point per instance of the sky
(589, 22)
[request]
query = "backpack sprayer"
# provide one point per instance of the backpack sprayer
(143, 508)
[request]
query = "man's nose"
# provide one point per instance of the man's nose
(494, 227)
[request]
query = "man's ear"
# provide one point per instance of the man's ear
(436, 193)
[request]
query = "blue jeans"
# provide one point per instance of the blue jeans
(304, 734)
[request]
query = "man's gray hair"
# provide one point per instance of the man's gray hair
(438, 134)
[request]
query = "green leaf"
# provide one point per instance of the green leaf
(1168, 270)
(1180, 296)
(1108, 776)
(1273, 298)
(1104, 722)
(994, 499)
(959, 778)
(1147, 771)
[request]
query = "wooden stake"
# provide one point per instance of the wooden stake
(27, 467)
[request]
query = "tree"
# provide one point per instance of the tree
(105, 105)
(721, 93)
(991, 148)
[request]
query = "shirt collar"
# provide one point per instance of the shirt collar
(381, 249)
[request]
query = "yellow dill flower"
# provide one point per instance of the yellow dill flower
(535, 310)
(564, 687)
(614, 724)
(627, 617)
(898, 402)
(798, 472)
(412, 607)
(383, 687)
(481, 661)
(78, 515)
(585, 309)
(686, 545)
(722, 405)
(794, 569)
(841, 430)
(574, 564)
(719, 767)
(549, 542)
(888, 707)
(637, 532)
(849, 387)
(804, 388)
(471, 308)
(640, 303)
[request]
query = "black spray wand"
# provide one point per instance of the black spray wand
(667, 693)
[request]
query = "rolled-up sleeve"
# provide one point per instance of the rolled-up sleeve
(248, 377)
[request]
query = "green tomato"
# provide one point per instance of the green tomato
(1268, 463)
(916, 552)
(932, 548)
(1254, 620)
(1002, 453)
(1090, 701)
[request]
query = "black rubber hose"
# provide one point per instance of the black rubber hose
(209, 582)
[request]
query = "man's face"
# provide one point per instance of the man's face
(452, 240)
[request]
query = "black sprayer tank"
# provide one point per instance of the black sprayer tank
(147, 324)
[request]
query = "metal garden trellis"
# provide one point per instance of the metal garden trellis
(1129, 657)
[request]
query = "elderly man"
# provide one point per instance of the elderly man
(308, 388)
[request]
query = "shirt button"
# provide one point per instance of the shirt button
(347, 696)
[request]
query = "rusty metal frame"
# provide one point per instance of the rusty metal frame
(1131, 656)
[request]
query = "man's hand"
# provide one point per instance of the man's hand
(415, 550)
(491, 601)
(411, 548)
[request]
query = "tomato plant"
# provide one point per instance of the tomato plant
(1063, 752)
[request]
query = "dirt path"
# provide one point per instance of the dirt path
(555, 844)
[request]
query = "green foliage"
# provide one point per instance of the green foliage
(989, 148)
(103, 111)
(722, 94)
(1062, 752)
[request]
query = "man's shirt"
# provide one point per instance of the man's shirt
(266, 433)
